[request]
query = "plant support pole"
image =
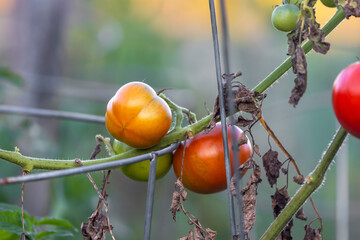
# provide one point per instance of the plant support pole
(150, 197)
(222, 113)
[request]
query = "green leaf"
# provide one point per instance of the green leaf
(8, 236)
(9, 75)
(53, 234)
(55, 222)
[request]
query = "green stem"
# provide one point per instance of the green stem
(30, 163)
(312, 182)
(286, 65)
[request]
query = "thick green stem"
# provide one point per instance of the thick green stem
(312, 182)
(286, 65)
(30, 163)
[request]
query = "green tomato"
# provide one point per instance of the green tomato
(140, 171)
(329, 3)
(284, 17)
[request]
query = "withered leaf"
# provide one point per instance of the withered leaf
(300, 69)
(249, 193)
(210, 234)
(174, 208)
(300, 214)
(96, 151)
(243, 139)
(257, 150)
(312, 234)
(96, 228)
(279, 200)
(198, 231)
(244, 122)
(284, 170)
(272, 166)
(179, 195)
(190, 236)
(243, 100)
(299, 179)
(286, 233)
(350, 8)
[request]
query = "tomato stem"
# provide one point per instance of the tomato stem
(312, 182)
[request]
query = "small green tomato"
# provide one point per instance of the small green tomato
(284, 17)
(140, 171)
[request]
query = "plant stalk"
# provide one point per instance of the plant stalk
(312, 182)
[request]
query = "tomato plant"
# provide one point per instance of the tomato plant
(140, 171)
(295, 2)
(284, 17)
(137, 116)
(329, 3)
(346, 98)
(204, 163)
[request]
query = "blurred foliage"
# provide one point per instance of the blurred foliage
(168, 44)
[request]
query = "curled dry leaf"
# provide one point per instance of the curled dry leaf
(300, 214)
(179, 195)
(243, 100)
(299, 179)
(272, 166)
(96, 228)
(279, 201)
(210, 234)
(307, 28)
(257, 150)
(312, 234)
(351, 8)
(249, 193)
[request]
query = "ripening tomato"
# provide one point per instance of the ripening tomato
(329, 3)
(140, 171)
(284, 17)
(204, 162)
(137, 116)
(346, 98)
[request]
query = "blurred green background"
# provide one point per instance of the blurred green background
(74, 55)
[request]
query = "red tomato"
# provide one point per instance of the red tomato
(137, 116)
(204, 162)
(346, 98)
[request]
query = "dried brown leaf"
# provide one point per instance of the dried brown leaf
(175, 204)
(256, 150)
(96, 228)
(243, 139)
(350, 8)
(244, 122)
(312, 234)
(243, 100)
(249, 193)
(299, 179)
(190, 236)
(300, 69)
(272, 166)
(181, 189)
(198, 231)
(300, 214)
(210, 234)
(279, 200)
(284, 170)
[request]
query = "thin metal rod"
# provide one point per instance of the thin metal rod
(222, 113)
(150, 197)
(230, 97)
(36, 112)
(84, 169)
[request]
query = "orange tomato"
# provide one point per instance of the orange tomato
(204, 162)
(137, 116)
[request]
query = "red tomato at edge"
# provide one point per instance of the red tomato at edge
(204, 162)
(346, 99)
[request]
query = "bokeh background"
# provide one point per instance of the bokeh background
(73, 55)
